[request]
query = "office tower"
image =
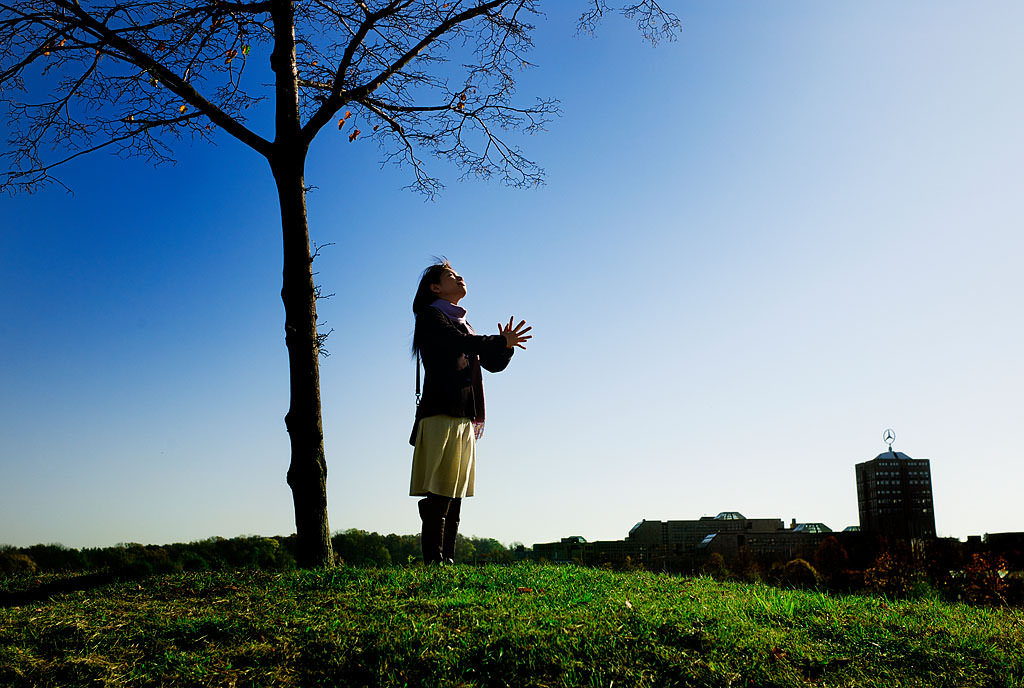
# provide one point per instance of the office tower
(894, 496)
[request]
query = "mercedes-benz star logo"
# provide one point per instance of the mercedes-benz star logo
(889, 437)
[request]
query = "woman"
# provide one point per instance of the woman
(450, 413)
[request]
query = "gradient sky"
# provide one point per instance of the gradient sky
(758, 247)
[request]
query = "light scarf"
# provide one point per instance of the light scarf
(454, 312)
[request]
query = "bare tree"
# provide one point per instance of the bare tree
(423, 77)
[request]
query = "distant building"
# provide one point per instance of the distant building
(767, 545)
(1010, 546)
(567, 550)
(894, 496)
(1004, 541)
(685, 537)
(681, 545)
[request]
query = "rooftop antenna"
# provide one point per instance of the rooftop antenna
(889, 436)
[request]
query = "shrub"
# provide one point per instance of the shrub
(830, 559)
(984, 580)
(193, 561)
(16, 562)
(746, 566)
(799, 573)
(752, 572)
(1014, 588)
(271, 556)
(889, 576)
(849, 579)
(715, 567)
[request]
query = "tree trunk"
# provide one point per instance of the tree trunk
(307, 474)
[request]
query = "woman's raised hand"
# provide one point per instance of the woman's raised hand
(515, 336)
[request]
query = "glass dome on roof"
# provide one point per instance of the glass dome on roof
(730, 516)
(892, 455)
(812, 528)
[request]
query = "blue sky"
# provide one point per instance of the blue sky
(758, 247)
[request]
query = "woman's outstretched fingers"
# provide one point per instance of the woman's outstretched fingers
(515, 336)
(520, 333)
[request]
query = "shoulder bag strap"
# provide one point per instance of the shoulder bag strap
(418, 378)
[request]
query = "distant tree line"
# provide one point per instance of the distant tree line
(941, 568)
(132, 558)
(353, 547)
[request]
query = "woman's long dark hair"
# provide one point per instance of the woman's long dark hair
(424, 296)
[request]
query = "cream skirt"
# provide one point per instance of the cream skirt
(444, 460)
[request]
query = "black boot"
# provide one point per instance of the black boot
(432, 509)
(451, 531)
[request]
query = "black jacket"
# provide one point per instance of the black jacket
(450, 354)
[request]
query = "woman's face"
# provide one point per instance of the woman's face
(451, 287)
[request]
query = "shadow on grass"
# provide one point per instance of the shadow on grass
(43, 592)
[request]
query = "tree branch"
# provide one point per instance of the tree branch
(39, 174)
(337, 100)
(424, 182)
(168, 78)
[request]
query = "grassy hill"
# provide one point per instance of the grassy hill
(524, 625)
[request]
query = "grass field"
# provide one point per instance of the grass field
(525, 625)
